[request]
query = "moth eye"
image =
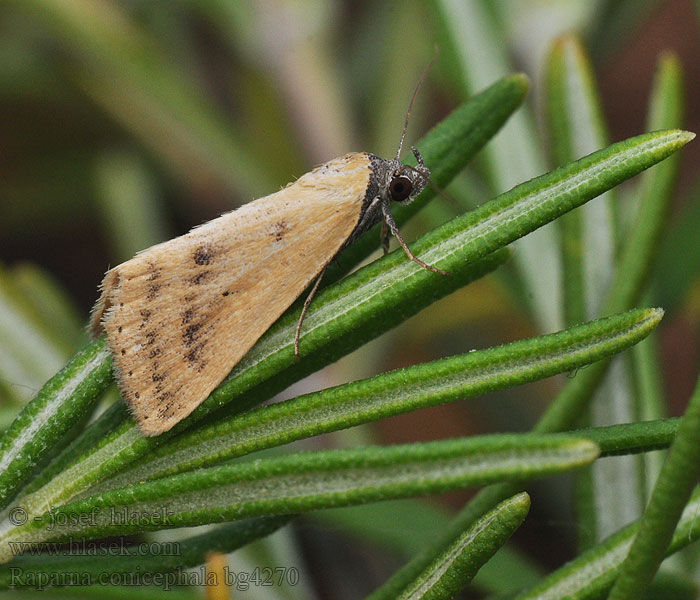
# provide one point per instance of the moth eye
(400, 188)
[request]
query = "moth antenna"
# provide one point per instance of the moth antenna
(413, 98)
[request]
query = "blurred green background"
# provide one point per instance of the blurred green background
(125, 123)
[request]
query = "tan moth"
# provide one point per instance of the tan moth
(180, 315)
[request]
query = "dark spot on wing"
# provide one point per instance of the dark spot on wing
(187, 316)
(226, 293)
(153, 289)
(165, 396)
(194, 357)
(166, 410)
(151, 337)
(200, 277)
(191, 334)
(153, 353)
(145, 315)
(155, 272)
(203, 255)
(119, 329)
(166, 404)
(156, 377)
(281, 230)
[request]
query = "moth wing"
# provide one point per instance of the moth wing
(180, 315)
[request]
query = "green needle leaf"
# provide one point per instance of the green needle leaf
(656, 190)
(456, 565)
(592, 574)
(404, 390)
(305, 481)
(50, 414)
(577, 128)
(678, 477)
(631, 438)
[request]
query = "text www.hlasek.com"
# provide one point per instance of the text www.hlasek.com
(87, 548)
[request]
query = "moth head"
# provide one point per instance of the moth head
(402, 183)
(405, 183)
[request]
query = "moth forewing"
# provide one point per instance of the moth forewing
(180, 315)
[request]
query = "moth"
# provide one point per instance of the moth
(180, 315)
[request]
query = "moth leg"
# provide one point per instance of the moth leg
(389, 220)
(385, 238)
(304, 310)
